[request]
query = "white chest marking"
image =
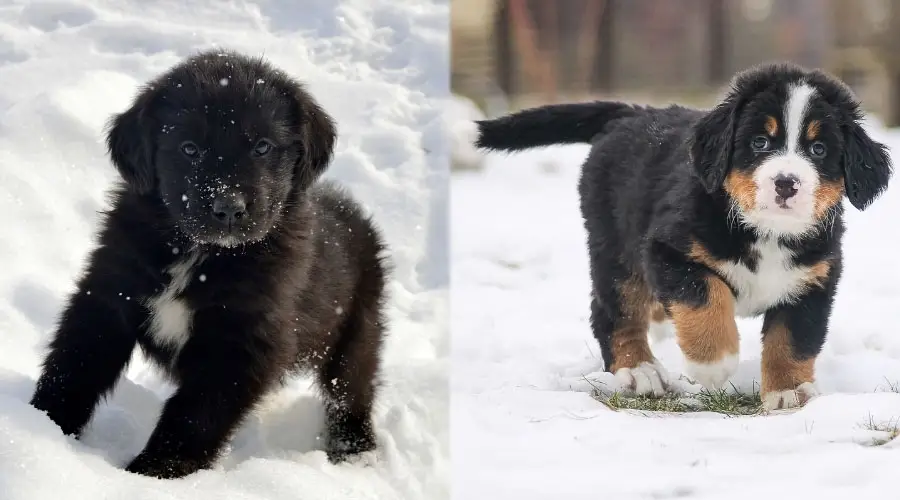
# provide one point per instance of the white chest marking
(774, 282)
(170, 317)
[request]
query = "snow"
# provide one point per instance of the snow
(524, 424)
(463, 113)
(380, 67)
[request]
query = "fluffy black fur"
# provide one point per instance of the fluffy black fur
(653, 188)
(222, 228)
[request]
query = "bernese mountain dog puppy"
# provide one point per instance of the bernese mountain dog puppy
(699, 216)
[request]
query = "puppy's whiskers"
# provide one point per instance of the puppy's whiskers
(736, 218)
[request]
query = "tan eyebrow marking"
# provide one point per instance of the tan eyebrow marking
(771, 126)
(812, 130)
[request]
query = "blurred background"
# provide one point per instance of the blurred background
(510, 54)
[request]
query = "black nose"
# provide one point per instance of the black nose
(229, 209)
(786, 185)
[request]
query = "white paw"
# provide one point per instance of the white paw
(783, 400)
(646, 378)
(712, 376)
(660, 331)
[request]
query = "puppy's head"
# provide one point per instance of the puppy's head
(786, 145)
(227, 143)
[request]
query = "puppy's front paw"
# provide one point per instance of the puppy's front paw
(353, 451)
(349, 437)
(147, 464)
(712, 376)
(644, 379)
(783, 400)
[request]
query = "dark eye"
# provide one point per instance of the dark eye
(262, 148)
(190, 149)
(817, 150)
(760, 143)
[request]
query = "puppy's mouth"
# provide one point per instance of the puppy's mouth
(231, 241)
(227, 221)
(231, 236)
(781, 217)
(780, 207)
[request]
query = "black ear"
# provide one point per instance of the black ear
(712, 144)
(867, 166)
(130, 142)
(319, 135)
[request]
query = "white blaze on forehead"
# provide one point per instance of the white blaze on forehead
(795, 110)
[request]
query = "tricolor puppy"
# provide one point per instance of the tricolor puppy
(701, 216)
(227, 263)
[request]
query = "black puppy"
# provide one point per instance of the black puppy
(704, 215)
(227, 263)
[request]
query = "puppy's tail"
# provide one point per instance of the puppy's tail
(553, 124)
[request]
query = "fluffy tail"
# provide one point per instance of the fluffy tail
(549, 125)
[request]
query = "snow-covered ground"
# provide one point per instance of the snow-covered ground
(524, 424)
(379, 66)
(462, 114)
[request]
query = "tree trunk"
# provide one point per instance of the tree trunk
(718, 39)
(888, 46)
(892, 118)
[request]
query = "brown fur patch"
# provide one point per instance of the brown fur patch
(707, 333)
(700, 254)
(781, 371)
(629, 343)
(771, 126)
(742, 188)
(812, 130)
(658, 313)
(818, 273)
(827, 195)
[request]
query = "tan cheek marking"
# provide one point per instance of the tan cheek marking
(781, 371)
(629, 345)
(812, 130)
(742, 188)
(827, 195)
(771, 126)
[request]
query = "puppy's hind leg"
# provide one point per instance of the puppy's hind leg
(349, 377)
(620, 315)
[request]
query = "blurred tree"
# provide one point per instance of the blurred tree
(887, 44)
(718, 41)
(553, 48)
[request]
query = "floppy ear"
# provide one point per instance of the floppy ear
(319, 135)
(867, 166)
(712, 144)
(130, 142)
